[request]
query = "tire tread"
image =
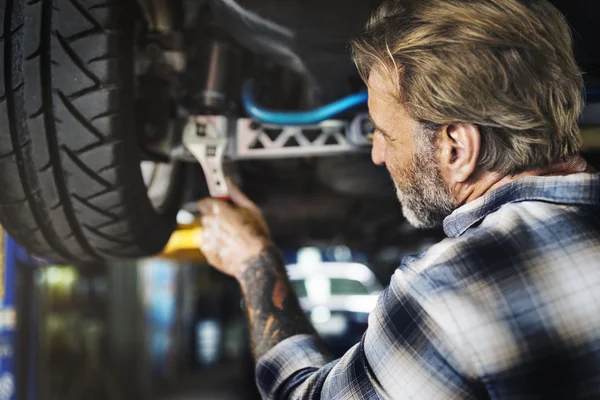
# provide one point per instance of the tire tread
(63, 168)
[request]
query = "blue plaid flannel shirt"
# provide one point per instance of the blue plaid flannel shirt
(507, 307)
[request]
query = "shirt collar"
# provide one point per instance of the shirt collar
(582, 189)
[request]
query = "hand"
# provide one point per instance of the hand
(233, 235)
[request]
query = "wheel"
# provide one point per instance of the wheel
(71, 184)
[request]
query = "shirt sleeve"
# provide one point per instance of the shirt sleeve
(296, 369)
(405, 354)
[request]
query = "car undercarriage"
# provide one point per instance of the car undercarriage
(98, 97)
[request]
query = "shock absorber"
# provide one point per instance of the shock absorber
(215, 76)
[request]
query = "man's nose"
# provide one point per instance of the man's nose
(378, 149)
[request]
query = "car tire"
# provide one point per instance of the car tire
(71, 186)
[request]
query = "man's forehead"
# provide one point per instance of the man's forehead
(383, 88)
(382, 100)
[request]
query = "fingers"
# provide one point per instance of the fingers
(210, 249)
(230, 235)
(210, 242)
(239, 198)
(207, 206)
(212, 206)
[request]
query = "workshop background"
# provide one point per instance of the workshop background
(160, 328)
(172, 328)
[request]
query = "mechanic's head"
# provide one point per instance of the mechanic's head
(463, 88)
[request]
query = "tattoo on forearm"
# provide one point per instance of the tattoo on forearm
(274, 313)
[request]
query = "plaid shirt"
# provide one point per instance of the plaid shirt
(507, 307)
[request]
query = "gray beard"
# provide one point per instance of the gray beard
(427, 200)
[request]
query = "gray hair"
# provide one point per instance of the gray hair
(505, 66)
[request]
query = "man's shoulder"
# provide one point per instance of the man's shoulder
(455, 251)
(528, 277)
(515, 239)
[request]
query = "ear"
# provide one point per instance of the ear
(461, 144)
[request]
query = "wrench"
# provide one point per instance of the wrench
(205, 136)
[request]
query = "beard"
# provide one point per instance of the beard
(424, 195)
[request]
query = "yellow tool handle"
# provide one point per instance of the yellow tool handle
(184, 245)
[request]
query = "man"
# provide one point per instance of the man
(475, 105)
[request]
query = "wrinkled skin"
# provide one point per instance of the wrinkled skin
(412, 159)
(233, 234)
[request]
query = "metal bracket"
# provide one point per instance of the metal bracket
(256, 141)
(206, 138)
(253, 141)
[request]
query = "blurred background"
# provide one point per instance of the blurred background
(170, 327)
(161, 328)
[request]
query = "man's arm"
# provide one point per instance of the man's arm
(399, 355)
(274, 313)
(237, 242)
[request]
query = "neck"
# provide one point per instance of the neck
(487, 182)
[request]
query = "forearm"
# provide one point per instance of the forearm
(273, 310)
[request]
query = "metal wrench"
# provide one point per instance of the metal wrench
(205, 136)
